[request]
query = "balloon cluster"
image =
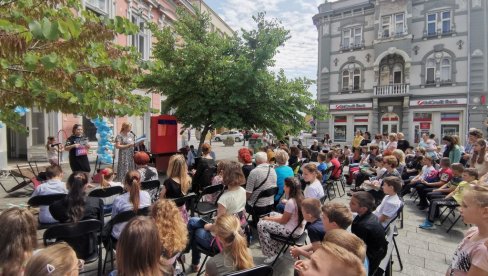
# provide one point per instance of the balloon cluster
(21, 110)
(105, 140)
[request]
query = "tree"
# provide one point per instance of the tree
(212, 81)
(58, 57)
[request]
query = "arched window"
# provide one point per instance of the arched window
(430, 71)
(446, 70)
(351, 77)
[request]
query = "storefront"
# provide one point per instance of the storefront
(346, 119)
(439, 116)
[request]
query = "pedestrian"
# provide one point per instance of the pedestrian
(124, 142)
(78, 147)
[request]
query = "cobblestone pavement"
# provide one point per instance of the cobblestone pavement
(423, 252)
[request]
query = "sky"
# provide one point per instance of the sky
(298, 57)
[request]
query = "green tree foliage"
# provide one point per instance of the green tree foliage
(211, 81)
(56, 56)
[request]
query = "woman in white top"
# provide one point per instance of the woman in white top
(311, 175)
(231, 202)
(479, 160)
(281, 224)
(134, 199)
(392, 144)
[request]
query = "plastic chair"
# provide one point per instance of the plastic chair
(257, 211)
(77, 231)
(44, 200)
(153, 187)
(289, 240)
(109, 241)
(205, 208)
(260, 270)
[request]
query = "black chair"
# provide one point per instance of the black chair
(338, 180)
(109, 241)
(289, 240)
(73, 233)
(260, 270)
(205, 208)
(452, 212)
(188, 201)
(153, 187)
(207, 253)
(44, 200)
(257, 211)
(391, 226)
(386, 265)
(105, 193)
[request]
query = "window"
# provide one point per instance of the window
(430, 71)
(352, 37)
(432, 24)
(393, 25)
(339, 133)
(351, 78)
(446, 22)
(140, 40)
(449, 130)
(397, 74)
(446, 70)
(99, 6)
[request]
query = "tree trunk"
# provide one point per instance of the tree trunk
(202, 139)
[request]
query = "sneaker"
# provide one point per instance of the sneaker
(427, 225)
(270, 260)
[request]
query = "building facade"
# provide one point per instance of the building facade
(16, 147)
(413, 66)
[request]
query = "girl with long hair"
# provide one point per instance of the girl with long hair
(479, 159)
(313, 177)
(200, 177)
(234, 254)
(282, 224)
(139, 249)
(134, 199)
(172, 230)
(178, 182)
(56, 260)
(18, 239)
(76, 205)
(124, 142)
(107, 180)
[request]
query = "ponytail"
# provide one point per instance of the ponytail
(107, 174)
(240, 252)
(133, 182)
(76, 195)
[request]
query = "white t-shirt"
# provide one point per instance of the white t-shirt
(233, 201)
(314, 190)
(389, 207)
(427, 171)
(291, 208)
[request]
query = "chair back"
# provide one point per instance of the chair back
(42, 200)
(128, 215)
(187, 200)
(212, 189)
(150, 185)
(107, 192)
(75, 234)
(385, 263)
(397, 215)
(260, 270)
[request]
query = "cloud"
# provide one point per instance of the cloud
(298, 57)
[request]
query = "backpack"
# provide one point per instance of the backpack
(208, 174)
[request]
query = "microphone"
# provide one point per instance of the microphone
(55, 145)
(132, 133)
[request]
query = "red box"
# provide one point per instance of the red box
(164, 134)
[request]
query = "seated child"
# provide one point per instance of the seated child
(53, 185)
(334, 216)
(427, 175)
(449, 187)
(455, 198)
(444, 176)
(390, 204)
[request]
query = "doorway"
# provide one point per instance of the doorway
(17, 142)
(390, 123)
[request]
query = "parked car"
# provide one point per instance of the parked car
(233, 133)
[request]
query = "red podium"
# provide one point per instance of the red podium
(164, 139)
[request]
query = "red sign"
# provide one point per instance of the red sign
(424, 125)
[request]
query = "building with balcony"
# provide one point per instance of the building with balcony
(414, 66)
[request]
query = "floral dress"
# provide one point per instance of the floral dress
(126, 156)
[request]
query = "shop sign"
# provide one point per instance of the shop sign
(438, 102)
(424, 125)
(351, 106)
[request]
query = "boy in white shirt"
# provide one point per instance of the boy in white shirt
(390, 204)
(53, 185)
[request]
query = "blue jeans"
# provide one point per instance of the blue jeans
(199, 236)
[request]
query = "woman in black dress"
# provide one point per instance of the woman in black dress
(78, 147)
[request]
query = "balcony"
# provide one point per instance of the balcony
(391, 90)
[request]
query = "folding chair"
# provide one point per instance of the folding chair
(107, 193)
(109, 241)
(23, 177)
(188, 201)
(392, 228)
(386, 265)
(260, 270)
(335, 181)
(257, 211)
(205, 208)
(44, 200)
(75, 232)
(289, 241)
(207, 253)
(452, 211)
(153, 187)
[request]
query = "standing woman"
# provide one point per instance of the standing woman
(479, 159)
(78, 146)
(124, 142)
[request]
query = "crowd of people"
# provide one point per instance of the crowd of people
(283, 187)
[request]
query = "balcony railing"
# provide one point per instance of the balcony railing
(392, 90)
